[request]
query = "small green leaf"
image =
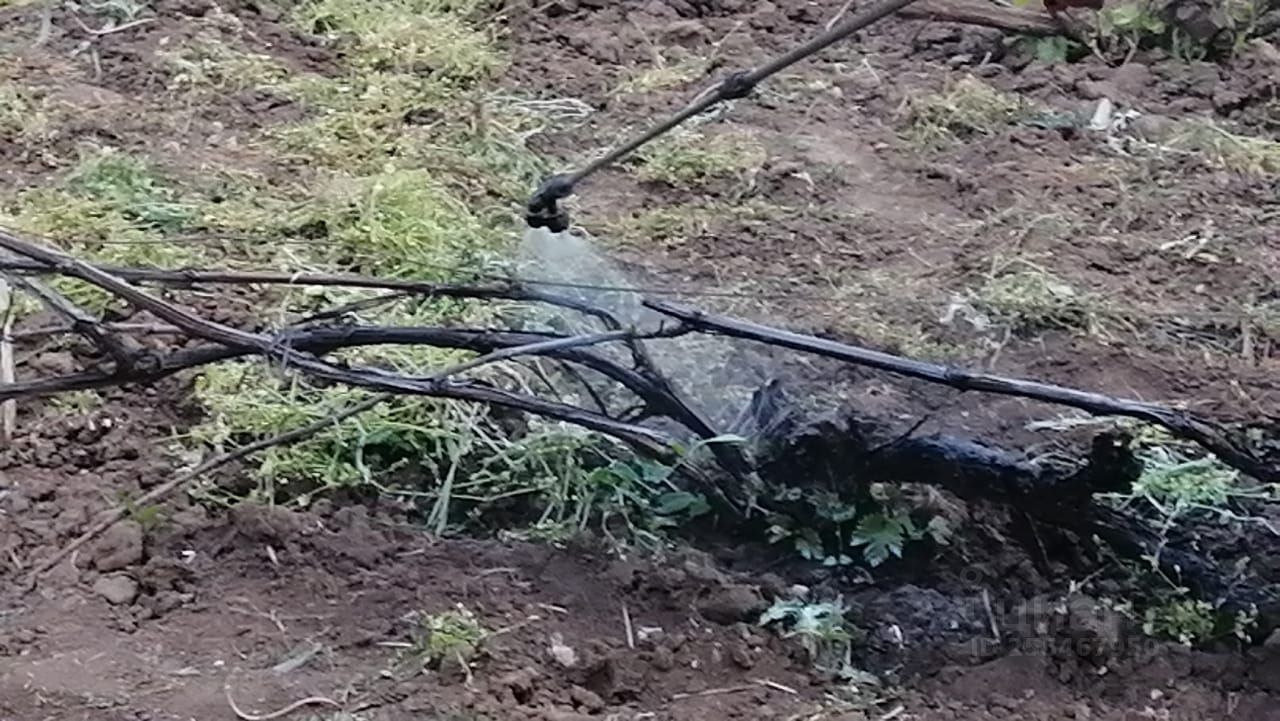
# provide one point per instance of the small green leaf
(881, 536)
(777, 533)
(1052, 51)
(676, 502)
(809, 545)
(652, 471)
(939, 530)
(624, 472)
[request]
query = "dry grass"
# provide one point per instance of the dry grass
(1243, 153)
(691, 158)
(966, 107)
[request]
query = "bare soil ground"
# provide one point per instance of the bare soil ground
(843, 227)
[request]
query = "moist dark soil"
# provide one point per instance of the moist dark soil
(180, 617)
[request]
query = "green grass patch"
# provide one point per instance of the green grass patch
(422, 37)
(24, 114)
(110, 200)
(112, 208)
(206, 64)
(398, 223)
(822, 631)
(673, 225)
(411, 173)
(691, 158)
(662, 75)
(358, 124)
(1030, 299)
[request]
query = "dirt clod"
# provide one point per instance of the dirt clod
(732, 604)
(586, 700)
(563, 714)
(119, 547)
(741, 656)
(520, 683)
(562, 654)
(1097, 630)
(118, 589)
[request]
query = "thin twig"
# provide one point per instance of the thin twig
(8, 373)
(81, 322)
(991, 615)
(524, 288)
(544, 347)
(714, 692)
(114, 515)
(627, 627)
(777, 686)
(111, 29)
(835, 19)
(301, 703)
(139, 328)
(652, 443)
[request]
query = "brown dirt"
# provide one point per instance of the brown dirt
(872, 207)
(158, 623)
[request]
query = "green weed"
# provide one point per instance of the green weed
(876, 527)
(451, 636)
(1124, 27)
(131, 187)
(582, 483)
(1186, 621)
(1131, 23)
(820, 628)
(1194, 623)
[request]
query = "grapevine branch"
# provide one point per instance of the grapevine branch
(1212, 436)
(307, 347)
